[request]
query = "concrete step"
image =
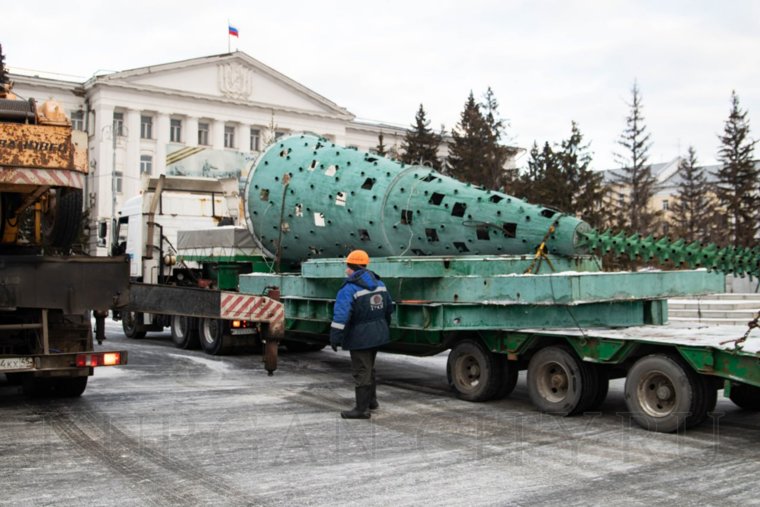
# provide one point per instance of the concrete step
(715, 309)
(728, 296)
(713, 314)
(713, 304)
(709, 322)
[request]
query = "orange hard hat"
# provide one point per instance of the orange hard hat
(358, 257)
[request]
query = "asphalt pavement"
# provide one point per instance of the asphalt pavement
(177, 427)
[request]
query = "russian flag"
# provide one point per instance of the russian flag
(232, 30)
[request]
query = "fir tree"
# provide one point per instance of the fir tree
(692, 210)
(635, 175)
(380, 148)
(420, 145)
(3, 75)
(737, 184)
(585, 189)
(475, 155)
(539, 184)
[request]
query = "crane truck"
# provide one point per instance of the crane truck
(47, 294)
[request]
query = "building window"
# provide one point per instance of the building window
(146, 164)
(77, 120)
(278, 134)
(665, 205)
(117, 176)
(229, 136)
(255, 139)
(118, 123)
(175, 131)
(146, 127)
(203, 129)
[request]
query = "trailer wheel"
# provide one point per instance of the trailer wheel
(473, 371)
(602, 387)
(185, 332)
(132, 324)
(745, 396)
(63, 219)
(663, 394)
(212, 337)
(560, 383)
(509, 372)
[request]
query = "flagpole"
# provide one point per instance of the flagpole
(228, 36)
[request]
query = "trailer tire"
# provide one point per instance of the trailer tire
(560, 383)
(664, 394)
(602, 387)
(132, 324)
(473, 371)
(509, 372)
(213, 339)
(63, 219)
(185, 332)
(745, 396)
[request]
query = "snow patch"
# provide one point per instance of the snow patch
(211, 364)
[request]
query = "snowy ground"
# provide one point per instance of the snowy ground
(183, 428)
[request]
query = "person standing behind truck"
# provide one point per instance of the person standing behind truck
(361, 325)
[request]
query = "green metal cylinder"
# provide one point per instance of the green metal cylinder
(308, 198)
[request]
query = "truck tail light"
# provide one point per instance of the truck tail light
(99, 359)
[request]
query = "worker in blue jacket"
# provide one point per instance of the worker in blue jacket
(361, 320)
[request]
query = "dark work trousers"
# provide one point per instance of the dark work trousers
(363, 366)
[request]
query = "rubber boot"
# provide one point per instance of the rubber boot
(373, 404)
(361, 410)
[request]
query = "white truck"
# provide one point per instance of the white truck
(194, 294)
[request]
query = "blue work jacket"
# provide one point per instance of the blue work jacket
(362, 313)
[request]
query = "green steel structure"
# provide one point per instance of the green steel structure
(506, 285)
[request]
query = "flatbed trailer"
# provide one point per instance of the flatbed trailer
(572, 331)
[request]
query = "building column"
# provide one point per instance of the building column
(191, 124)
(217, 135)
(242, 138)
(131, 180)
(103, 157)
(162, 139)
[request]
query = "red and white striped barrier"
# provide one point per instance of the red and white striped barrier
(236, 306)
(44, 177)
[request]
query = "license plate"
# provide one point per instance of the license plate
(16, 363)
(247, 330)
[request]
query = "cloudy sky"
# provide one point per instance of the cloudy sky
(549, 62)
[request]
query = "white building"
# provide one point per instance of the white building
(206, 116)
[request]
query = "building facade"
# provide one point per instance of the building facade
(208, 116)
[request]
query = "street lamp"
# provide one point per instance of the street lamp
(113, 131)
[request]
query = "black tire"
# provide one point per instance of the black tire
(185, 332)
(63, 220)
(473, 371)
(602, 387)
(132, 324)
(508, 372)
(664, 394)
(745, 396)
(58, 387)
(559, 382)
(214, 340)
(69, 387)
